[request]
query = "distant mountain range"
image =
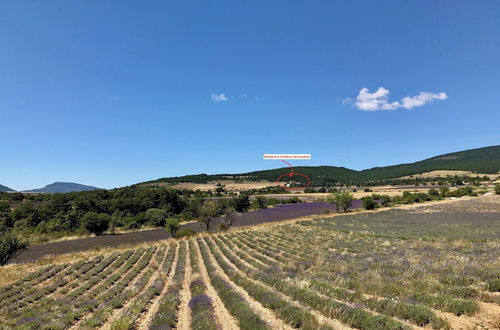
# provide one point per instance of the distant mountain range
(4, 188)
(62, 187)
(483, 160)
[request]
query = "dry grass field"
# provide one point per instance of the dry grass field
(445, 173)
(231, 185)
(428, 266)
(359, 193)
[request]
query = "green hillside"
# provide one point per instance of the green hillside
(320, 175)
(482, 160)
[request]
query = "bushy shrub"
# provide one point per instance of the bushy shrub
(494, 285)
(497, 189)
(341, 200)
(42, 227)
(273, 201)
(241, 203)
(444, 191)
(407, 195)
(420, 197)
(4, 206)
(292, 200)
(95, 223)
(384, 200)
(10, 245)
(463, 191)
(172, 226)
(368, 203)
(6, 220)
(156, 217)
(259, 203)
(133, 222)
(433, 193)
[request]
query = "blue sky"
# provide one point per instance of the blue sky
(110, 93)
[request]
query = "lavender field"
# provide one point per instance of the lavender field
(277, 213)
(423, 268)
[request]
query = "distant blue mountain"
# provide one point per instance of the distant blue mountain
(4, 188)
(62, 187)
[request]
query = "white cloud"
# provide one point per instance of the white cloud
(421, 99)
(346, 101)
(375, 101)
(219, 97)
(379, 100)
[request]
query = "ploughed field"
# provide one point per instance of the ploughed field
(387, 270)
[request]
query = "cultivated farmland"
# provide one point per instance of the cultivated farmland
(435, 268)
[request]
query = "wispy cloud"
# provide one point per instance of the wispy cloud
(421, 99)
(219, 97)
(224, 97)
(346, 101)
(379, 100)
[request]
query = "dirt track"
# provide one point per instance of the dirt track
(278, 213)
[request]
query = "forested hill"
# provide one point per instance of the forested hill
(4, 188)
(482, 160)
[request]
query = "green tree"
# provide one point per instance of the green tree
(172, 226)
(369, 203)
(10, 245)
(156, 217)
(228, 219)
(209, 211)
(220, 189)
(192, 209)
(497, 189)
(242, 203)
(95, 223)
(342, 200)
(259, 203)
